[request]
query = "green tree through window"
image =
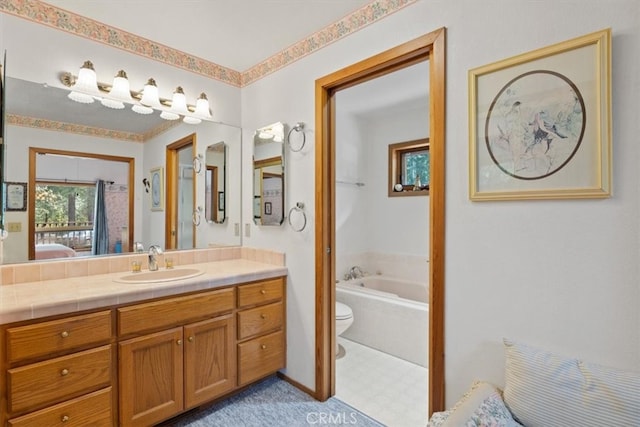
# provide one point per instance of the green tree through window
(64, 203)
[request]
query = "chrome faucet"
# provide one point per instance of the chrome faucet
(355, 272)
(154, 251)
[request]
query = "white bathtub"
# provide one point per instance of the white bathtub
(389, 314)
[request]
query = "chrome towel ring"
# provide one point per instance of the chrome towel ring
(299, 127)
(298, 209)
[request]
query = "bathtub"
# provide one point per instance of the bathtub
(389, 314)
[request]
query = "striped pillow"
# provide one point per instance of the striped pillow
(547, 390)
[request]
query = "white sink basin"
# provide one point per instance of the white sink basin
(158, 276)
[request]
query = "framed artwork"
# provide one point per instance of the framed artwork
(267, 208)
(220, 200)
(16, 193)
(540, 123)
(156, 180)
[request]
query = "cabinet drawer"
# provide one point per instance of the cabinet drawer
(41, 339)
(52, 381)
(260, 357)
(256, 321)
(92, 409)
(261, 292)
(174, 311)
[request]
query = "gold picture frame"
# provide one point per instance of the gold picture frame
(540, 123)
(156, 180)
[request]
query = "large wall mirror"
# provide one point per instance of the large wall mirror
(56, 123)
(268, 175)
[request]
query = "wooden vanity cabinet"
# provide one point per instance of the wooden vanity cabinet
(261, 329)
(142, 363)
(166, 372)
(55, 370)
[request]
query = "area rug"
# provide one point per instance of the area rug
(274, 402)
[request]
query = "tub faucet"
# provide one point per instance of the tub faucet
(154, 251)
(354, 273)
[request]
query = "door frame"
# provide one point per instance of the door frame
(430, 47)
(172, 168)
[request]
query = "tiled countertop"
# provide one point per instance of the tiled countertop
(31, 300)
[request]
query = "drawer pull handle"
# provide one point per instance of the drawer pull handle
(64, 372)
(191, 339)
(263, 292)
(64, 334)
(263, 316)
(263, 346)
(179, 342)
(64, 418)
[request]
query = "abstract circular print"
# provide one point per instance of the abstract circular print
(535, 124)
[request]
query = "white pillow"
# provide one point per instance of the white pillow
(482, 405)
(543, 389)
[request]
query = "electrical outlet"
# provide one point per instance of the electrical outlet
(236, 229)
(14, 227)
(247, 230)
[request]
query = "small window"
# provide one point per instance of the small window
(409, 170)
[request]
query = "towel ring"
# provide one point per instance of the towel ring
(299, 127)
(196, 216)
(299, 207)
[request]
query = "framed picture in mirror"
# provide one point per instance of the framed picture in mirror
(156, 179)
(220, 200)
(16, 196)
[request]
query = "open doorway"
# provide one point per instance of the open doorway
(180, 232)
(62, 198)
(429, 47)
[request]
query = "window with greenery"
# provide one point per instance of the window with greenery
(409, 173)
(64, 204)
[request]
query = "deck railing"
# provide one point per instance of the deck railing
(78, 235)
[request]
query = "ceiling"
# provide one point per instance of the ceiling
(237, 34)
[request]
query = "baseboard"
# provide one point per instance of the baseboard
(297, 385)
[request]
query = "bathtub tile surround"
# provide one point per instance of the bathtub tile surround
(383, 321)
(78, 267)
(414, 268)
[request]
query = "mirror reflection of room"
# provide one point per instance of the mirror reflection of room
(81, 205)
(268, 175)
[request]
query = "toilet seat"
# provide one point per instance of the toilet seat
(343, 311)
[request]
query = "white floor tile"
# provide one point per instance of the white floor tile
(388, 389)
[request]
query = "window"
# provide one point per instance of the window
(409, 170)
(64, 214)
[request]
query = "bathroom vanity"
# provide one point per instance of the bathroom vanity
(171, 347)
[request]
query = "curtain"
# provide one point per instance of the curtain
(100, 243)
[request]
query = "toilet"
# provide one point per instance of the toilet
(344, 319)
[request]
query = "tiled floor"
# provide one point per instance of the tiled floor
(390, 390)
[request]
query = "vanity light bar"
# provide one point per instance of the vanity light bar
(200, 110)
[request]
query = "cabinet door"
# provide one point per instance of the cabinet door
(151, 377)
(210, 359)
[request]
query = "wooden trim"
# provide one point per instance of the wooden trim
(437, 73)
(31, 199)
(432, 47)
(171, 199)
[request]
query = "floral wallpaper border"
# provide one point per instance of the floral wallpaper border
(60, 19)
(53, 125)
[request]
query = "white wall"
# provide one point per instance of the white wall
(559, 274)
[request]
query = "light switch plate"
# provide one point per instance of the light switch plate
(13, 227)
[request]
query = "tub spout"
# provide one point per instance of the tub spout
(355, 272)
